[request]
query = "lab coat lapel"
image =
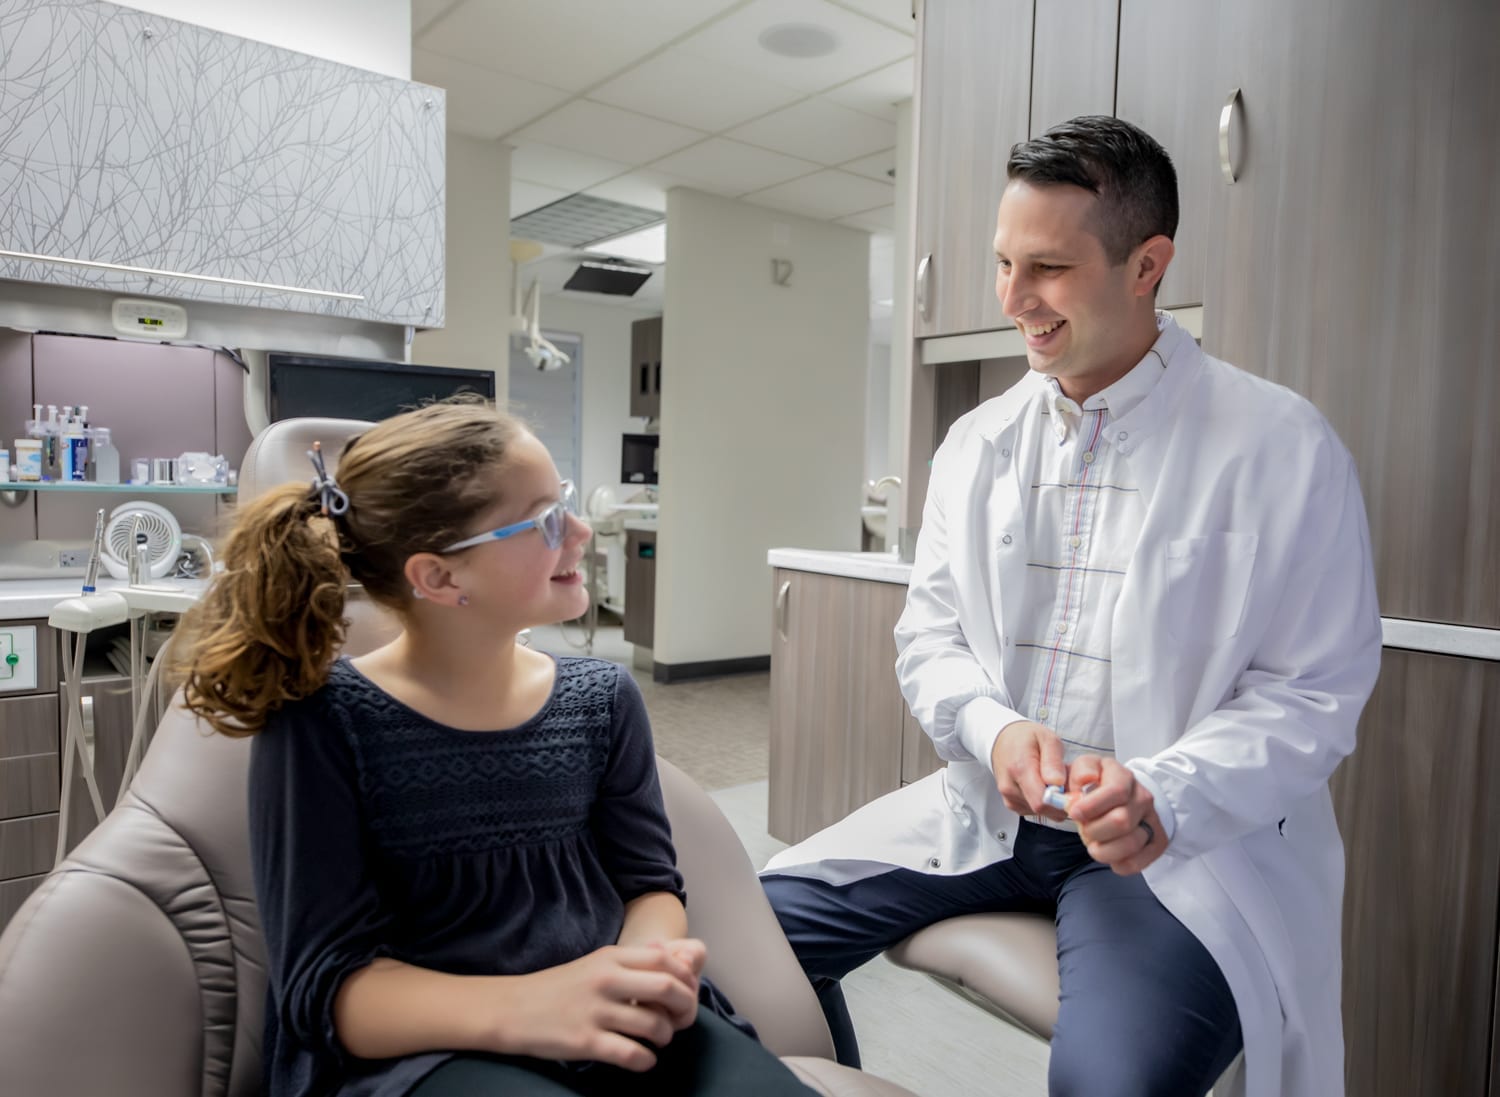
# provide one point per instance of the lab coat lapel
(1141, 702)
(1001, 542)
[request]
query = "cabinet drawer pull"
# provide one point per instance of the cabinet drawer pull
(782, 598)
(924, 273)
(1226, 116)
(88, 729)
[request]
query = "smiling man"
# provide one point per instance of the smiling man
(1143, 578)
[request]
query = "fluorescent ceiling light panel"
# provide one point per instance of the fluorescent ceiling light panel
(647, 245)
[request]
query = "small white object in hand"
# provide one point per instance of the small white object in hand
(1053, 797)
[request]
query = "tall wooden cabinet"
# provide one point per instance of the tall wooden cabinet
(1418, 811)
(645, 367)
(1357, 260)
(840, 732)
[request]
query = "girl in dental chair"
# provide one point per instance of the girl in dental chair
(463, 867)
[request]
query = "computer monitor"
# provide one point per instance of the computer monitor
(359, 388)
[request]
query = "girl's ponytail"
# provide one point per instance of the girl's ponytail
(268, 628)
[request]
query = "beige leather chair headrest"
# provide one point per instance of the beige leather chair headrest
(279, 453)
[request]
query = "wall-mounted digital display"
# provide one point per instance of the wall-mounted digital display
(356, 388)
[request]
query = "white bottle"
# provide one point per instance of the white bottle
(106, 458)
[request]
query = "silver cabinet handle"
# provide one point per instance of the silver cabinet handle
(924, 273)
(1226, 116)
(89, 745)
(782, 600)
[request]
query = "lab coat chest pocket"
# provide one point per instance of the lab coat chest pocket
(1207, 581)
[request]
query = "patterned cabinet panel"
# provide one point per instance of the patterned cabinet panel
(137, 140)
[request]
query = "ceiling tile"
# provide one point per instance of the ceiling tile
(882, 219)
(564, 168)
(863, 45)
(482, 103)
(615, 134)
(645, 187)
(729, 167)
(828, 194)
(878, 92)
(817, 129)
(893, 13)
(570, 44)
(881, 166)
(525, 197)
(690, 90)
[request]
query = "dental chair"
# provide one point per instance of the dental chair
(137, 969)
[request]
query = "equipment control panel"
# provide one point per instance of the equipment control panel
(17, 658)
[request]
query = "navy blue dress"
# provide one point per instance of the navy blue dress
(376, 831)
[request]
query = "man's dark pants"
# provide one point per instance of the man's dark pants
(1144, 1009)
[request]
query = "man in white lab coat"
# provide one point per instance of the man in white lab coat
(1143, 575)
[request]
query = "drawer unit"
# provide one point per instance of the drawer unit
(28, 725)
(30, 785)
(27, 846)
(14, 892)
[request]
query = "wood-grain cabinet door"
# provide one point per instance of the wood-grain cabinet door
(1420, 819)
(1167, 84)
(1073, 61)
(974, 103)
(1356, 259)
(836, 713)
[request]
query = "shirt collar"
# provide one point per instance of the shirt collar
(1119, 399)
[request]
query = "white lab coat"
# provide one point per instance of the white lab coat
(1246, 641)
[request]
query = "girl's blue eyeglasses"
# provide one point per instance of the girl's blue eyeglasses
(553, 522)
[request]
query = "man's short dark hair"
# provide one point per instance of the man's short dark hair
(1122, 164)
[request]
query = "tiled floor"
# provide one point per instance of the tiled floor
(714, 729)
(911, 1030)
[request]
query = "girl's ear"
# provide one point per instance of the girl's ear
(432, 579)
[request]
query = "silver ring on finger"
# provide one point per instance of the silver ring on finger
(1150, 833)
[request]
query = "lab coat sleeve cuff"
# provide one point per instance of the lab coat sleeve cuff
(1163, 808)
(979, 724)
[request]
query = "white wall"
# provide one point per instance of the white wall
(898, 404)
(878, 461)
(762, 416)
(368, 34)
(605, 331)
(477, 264)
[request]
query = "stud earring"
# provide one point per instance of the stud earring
(463, 599)
(415, 593)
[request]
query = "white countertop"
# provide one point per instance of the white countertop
(35, 597)
(882, 567)
(641, 525)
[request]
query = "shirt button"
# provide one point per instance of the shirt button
(1088, 458)
(1061, 629)
(1074, 542)
(1005, 540)
(1042, 713)
(1124, 434)
(1005, 453)
(1001, 835)
(935, 863)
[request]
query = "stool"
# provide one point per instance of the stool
(1005, 963)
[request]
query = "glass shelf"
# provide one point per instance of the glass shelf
(88, 487)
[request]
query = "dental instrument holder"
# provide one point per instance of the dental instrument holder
(74, 618)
